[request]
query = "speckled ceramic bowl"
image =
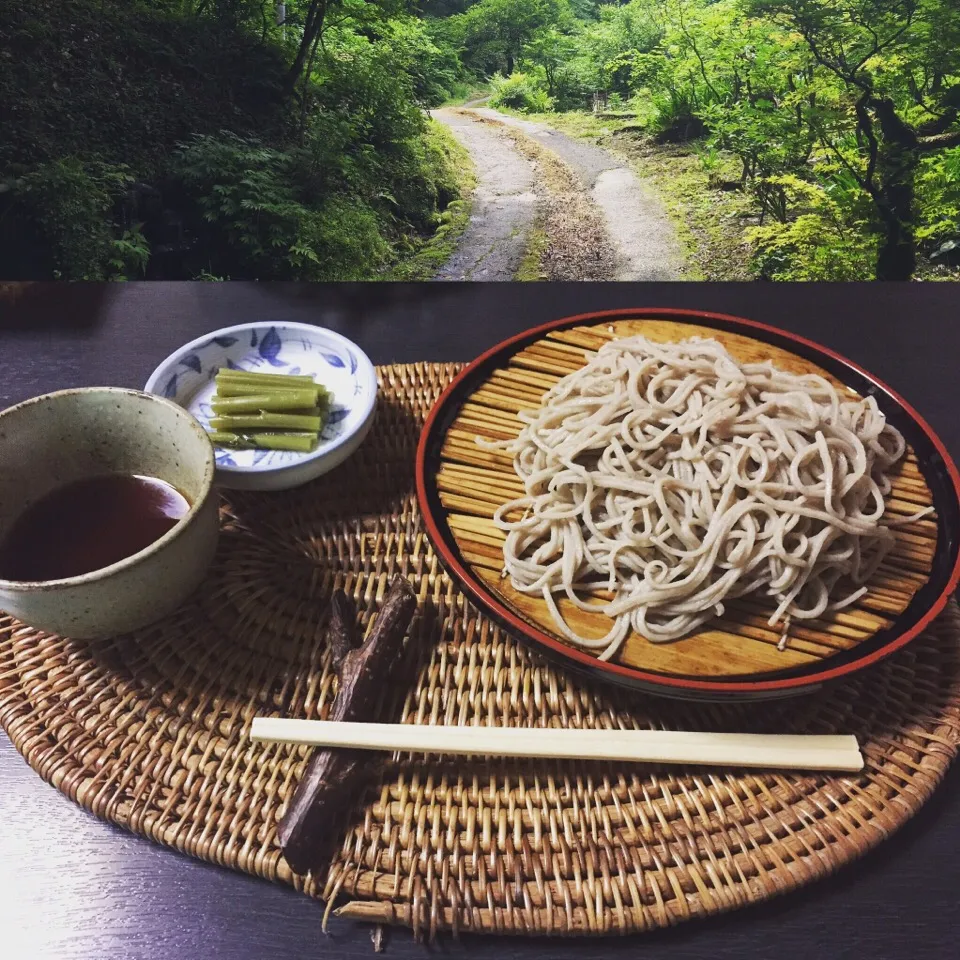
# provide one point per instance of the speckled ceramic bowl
(74, 434)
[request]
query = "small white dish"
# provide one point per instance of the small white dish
(187, 378)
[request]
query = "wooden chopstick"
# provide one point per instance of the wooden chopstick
(774, 751)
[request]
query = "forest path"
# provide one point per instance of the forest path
(643, 239)
(495, 241)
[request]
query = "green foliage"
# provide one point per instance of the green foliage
(619, 40)
(938, 194)
(710, 157)
(455, 177)
(113, 80)
(367, 136)
(304, 151)
(886, 72)
(493, 33)
(64, 207)
(466, 90)
(817, 242)
(842, 115)
(434, 70)
(248, 197)
(232, 172)
(520, 91)
(130, 254)
(553, 55)
(449, 163)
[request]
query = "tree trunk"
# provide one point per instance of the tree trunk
(940, 141)
(312, 26)
(897, 162)
(509, 59)
(305, 96)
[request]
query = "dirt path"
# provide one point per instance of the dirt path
(495, 241)
(644, 241)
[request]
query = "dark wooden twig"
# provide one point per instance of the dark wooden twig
(367, 675)
(341, 631)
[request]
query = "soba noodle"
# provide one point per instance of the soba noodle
(674, 478)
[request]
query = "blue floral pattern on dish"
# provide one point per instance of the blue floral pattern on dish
(270, 348)
(189, 379)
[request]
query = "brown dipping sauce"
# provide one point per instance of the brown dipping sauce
(88, 525)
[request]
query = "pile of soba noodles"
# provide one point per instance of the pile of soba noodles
(674, 478)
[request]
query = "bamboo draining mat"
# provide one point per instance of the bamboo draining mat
(474, 481)
(148, 731)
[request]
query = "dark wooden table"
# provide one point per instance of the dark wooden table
(73, 887)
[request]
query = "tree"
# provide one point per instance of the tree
(311, 16)
(494, 32)
(550, 49)
(619, 36)
(899, 61)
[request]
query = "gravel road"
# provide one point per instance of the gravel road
(642, 235)
(504, 203)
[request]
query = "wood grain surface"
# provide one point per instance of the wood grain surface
(72, 888)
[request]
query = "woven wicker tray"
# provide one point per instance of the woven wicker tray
(148, 731)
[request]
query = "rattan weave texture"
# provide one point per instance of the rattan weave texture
(148, 731)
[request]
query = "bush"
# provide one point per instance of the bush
(675, 120)
(324, 211)
(126, 81)
(224, 174)
(57, 222)
(571, 87)
(820, 243)
(938, 198)
(434, 69)
(520, 91)
(248, 208)
(368, 139)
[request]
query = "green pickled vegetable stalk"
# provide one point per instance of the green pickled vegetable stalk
(299, 441)
(268, 402)
(232, 388)
(244, 422)
(248, 376)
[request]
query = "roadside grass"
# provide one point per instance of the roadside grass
(531, 268)
(426, 256)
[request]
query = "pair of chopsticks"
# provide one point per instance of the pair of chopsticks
(774, 751)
